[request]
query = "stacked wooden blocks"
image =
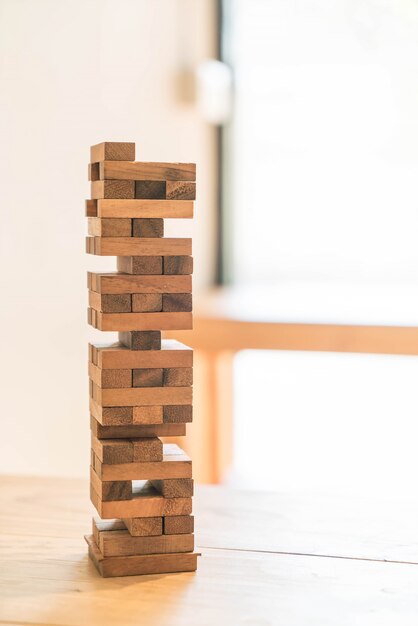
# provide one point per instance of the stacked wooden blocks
(140, 387)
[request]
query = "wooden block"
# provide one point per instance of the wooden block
(173, 353)
(174, 487)
(91, 208)
(145, 502)
(173, 209)
(177, 302)
(112, 189)
(111, 416)
(110, 303)
(176, 190)
(90, 245)
(115, 282)
(113, 451)
(141, 340)
(150, 189)
(147, 377)
(142, 246)
(110, 378)
(148, 415)
(93, 171)
(176, 377)
(112, 489)
(144, 526)
(147, 302)
(178, 524)
(142, 564)
(178, 265)
(143, 396)
(112, 151)
(142, 321)
(143, 265)
(147, 171)
(109, 227)
(177, 413)
(146, 450)
(145, 227)
(175, 464)
(134, 430)
(122, 543)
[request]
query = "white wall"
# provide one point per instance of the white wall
(73, 73)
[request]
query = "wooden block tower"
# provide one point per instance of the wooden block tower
(140, 387)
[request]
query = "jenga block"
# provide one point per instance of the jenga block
(173, 487)
(144, 526)
(142, 564)
(134, 430)
(177, 413)
(142, 265)
(115, 282)
(173, 209)
(146, 227)
(91, 208)
(110, 379)
(177, 302)
(142, 321)
(147, 377)
(145, 502)
(176, 377)
(180, 190)
(122, 543)
(142, 246)
(173, 353)
(112, 489)
(110, 303)
(142, 396)
(178, 524)
(112, 416)
(93, 171)
(112, 189)
(113, 450)
(178, 265)
(141, 340)
(150, 189)
(112, 151)
(148, 415)
(108, 227)
(147, 450)
(147, 302)
(147, 171)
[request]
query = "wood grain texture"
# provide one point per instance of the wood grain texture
(142, 265)
(115, 282)
(142, 322)
(177, 302)
(107, 227)
(147, 302)
(178, 524)
(134, 429)
(146, 227)
(150, 189)
(177, 265)
(111, 416)
(122, 543)
(173, 414)
(150, 527)
(112, 151)
(147, 377)
(131, 208)
(142, 246)
(147, 171)
(148, 415)
(177, 377)
(91, 208)
(93, 171)
(141, 340)
(144, 526)
(110, 303)
(180, 190)
(140, 565)
(175, 464)
(110, 378)
(111, 490)
(119, 189)
(173, 353)
(143, 396)
(174, 487)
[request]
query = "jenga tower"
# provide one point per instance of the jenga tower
(140, 387)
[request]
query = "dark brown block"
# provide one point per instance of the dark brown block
(148, 227)
(140, 264)
(178, 265)
(152, 377)
(174, 487)
(116, 303)
(117, 451)
(147, 302)
(116, 490)
(145, 526)
(141, 339)
(117, 415)
(178, 377)
(150, 189)
(173, 302)
(112, 151)
(91, 208)
(174, 413)
(147, 449)
(180, 190)
(93, 172)
(178, 524)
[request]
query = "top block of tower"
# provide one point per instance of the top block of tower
(112, 151)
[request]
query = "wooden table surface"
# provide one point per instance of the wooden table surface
(266, 559)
